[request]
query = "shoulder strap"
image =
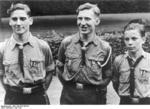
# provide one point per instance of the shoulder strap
(109, 55)
(107, 59)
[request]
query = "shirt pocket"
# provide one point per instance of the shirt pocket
(36, 67)
(12, 69)
(10, 62)
(144, 76)
(95, 64)
(72, 60)
(124, 76)
(10, 65)
(72, 63)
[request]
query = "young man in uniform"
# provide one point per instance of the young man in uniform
(131, 71)
(26, 62)
(84, 61)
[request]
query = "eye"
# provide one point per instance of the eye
(79, 18)
(134, 38)
(23, 18)
(126, 39)
(87, 18)
(14, 18)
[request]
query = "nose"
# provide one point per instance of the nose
(130, 42)
(83, 22)
(18, 22)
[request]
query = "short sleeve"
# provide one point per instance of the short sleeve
(61, 53)
(115, 71)
(107, 69)
(115, 67)
(49, 61)
(62, 48)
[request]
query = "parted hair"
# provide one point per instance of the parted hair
(139, 24)
(87, 6)
(19, 6)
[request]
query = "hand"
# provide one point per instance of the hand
(45, 86)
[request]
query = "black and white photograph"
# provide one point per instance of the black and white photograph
(74, 52)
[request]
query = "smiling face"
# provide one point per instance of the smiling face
(87, 21)
(20, 22)
(133, 40)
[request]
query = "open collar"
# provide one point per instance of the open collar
(143, 53)
(77, 39)
(13, 42)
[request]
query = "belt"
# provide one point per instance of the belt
(25, 90)
(81, 86)
(136, 100)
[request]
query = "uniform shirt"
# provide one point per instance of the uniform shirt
(37, 61)
(121, 72)
(97, 55)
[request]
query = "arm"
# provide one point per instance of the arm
(61, 61)
(115, 72)
(49, 65)
(107, 73)
(1, 64)
(48, 79)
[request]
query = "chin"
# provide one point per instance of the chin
(133, 51)
(19, 32)
(85, 33)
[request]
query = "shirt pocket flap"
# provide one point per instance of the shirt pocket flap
(72, 55)
(145, 70)
(95, 59)
(9, 62)
(37, 59)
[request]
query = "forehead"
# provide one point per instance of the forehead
(19, 13)
(132, 33)
(86, 13)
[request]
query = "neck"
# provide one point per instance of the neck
(136, 54)
(87, 37)
(21, 38)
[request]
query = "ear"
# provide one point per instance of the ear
(97, 21)
(144, 39)
(10, 23)
(30, 20)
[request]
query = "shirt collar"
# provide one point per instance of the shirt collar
(14, 42)
(143, 53)
(77, 39)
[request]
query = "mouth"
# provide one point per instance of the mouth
(18, 28)
(84, 28)
(131, 48)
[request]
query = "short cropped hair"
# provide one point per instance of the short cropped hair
(139, 24)
(88, 6)
(19, 6)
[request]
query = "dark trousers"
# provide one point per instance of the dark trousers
(30, 99)
(129, 101)
(88, 95)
